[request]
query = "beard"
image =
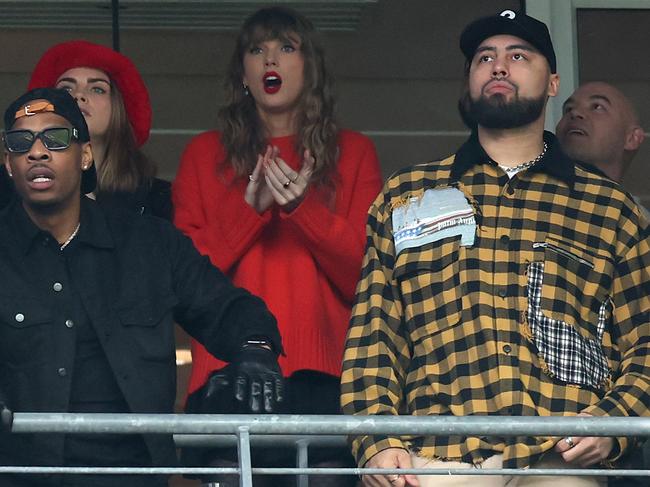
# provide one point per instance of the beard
(496, 112)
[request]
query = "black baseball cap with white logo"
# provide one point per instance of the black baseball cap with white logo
(513, 23)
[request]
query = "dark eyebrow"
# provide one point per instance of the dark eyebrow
(511, 47)
(89, 80)
(523, 47)
(602, 98)
(484, 48)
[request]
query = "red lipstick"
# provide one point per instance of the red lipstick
(272, 82)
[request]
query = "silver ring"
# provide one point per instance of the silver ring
(569, 441)
(250, 178)
(286, 185)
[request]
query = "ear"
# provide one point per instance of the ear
(7, 165)
(634, 139)
(86, 156)
(553, 84)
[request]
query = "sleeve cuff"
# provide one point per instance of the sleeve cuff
(365, 447)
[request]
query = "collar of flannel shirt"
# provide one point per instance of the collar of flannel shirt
(555, 162)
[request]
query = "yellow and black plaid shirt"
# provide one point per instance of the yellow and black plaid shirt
(526, 296)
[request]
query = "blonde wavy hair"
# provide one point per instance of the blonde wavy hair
(243, 135)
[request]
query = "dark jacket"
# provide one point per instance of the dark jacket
(151, 198)
(7, 191)
(134, 276)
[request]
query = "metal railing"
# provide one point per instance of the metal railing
(305, 430)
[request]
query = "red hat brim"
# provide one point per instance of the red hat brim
(76, 54)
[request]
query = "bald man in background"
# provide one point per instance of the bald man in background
(600, 127)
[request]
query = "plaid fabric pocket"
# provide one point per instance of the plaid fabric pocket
(570, 356)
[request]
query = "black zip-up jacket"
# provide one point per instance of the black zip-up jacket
(134, 276)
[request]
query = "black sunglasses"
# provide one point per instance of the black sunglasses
(55, 138)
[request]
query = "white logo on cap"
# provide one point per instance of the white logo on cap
(508, 13)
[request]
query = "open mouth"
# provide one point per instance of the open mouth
(272, 82)
(576, 131)
(40, 178)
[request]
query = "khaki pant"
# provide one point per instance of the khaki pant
(551, 460)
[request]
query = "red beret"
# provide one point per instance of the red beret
(82, 54)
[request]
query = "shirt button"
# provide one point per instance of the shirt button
(57, 286)
(20, 317)
(505, 240)
(502, 292)
(62, 372)
(507, 348)
(510, 190)
(69, 323)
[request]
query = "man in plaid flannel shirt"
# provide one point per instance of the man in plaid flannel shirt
(504, 280)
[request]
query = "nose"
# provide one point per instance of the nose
(576, 113)
(38, 152)
(499, 68)
(270, 58)
(78, 94)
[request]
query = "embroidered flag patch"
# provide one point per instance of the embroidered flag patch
(437, 214)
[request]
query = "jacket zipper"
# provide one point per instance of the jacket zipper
(561, 251)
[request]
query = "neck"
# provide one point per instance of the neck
(60, 223)
(614, 169)
(510, 147)
(279, 124)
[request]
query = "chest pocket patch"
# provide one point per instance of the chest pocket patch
(437, 214)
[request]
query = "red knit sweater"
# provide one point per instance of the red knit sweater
(305, 265)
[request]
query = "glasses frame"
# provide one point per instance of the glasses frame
(73, 134)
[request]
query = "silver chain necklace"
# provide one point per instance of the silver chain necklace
(524, 165)
(70, 238)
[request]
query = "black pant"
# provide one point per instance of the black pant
(307, 392)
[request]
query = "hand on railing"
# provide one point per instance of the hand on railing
(258, 379)
(390, 458)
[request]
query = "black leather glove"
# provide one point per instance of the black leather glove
(6, 416)
(258, 379)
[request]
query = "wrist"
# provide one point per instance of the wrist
(258, 342)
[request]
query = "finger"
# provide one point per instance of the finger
(240, 388)
(308, 164)
(278, 195)
(563, 445)
(404, 461)
(273, 169)
(269, 396)
(216, 384)
(269, 153)
(571, 454)
(286, 170)
(279, 390)
(255, 400)
(257, 171)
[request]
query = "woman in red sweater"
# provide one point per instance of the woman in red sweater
(278, 201)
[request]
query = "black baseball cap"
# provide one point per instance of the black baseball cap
(60, 103)
(513, 23)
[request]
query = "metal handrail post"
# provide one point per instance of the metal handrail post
(244, 452)
(302, 461)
